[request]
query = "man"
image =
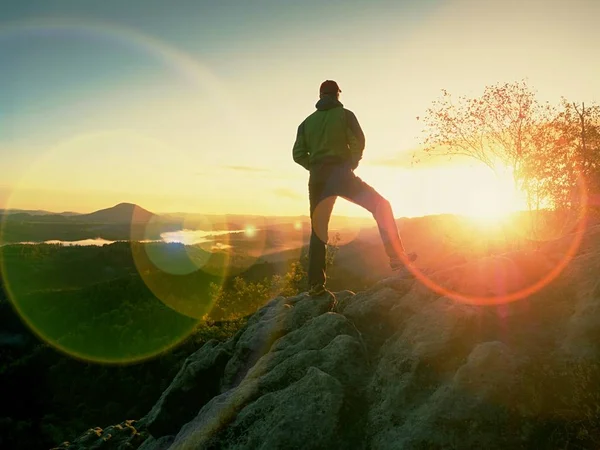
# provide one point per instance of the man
(330, 144)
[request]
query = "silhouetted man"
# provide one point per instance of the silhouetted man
(330, 144)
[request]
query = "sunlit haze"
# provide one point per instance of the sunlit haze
(194, 105)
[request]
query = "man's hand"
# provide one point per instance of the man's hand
(299, 151)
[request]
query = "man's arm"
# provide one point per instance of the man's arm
(300, 152)
(356, 138)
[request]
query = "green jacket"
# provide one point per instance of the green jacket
(330, 134)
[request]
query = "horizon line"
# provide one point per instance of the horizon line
(163, 213)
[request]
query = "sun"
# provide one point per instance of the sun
(491, 195)
(470, 189)
(488, 203)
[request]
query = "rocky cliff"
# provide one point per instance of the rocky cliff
(399, 366)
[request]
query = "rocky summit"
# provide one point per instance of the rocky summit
(398, 366)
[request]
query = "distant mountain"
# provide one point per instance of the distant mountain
(36, 212)
(46, 218)
(121, 213)
(31, 212)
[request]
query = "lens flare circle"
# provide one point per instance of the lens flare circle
(180, 62)
(110, 336)
(169, 251)
(520, 294)
(250, 238)
(54, 309)
(178, 265)
(337, 230)
(93, 320)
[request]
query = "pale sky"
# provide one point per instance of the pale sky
(193, 105)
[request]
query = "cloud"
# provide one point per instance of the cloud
(418, 159)
(221, 171)
(246, 169)
(5, 192)
(288, 193)
(402, 160)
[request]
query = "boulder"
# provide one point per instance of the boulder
(328, 343)
(276, 319)
(582, 338)
(303, 415)
(194, 385)
(162, 443)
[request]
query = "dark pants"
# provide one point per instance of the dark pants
(329, 181)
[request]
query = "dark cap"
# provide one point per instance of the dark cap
(329, 87)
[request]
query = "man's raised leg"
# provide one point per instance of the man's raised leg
(359, 192)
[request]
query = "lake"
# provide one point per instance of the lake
(186, 237)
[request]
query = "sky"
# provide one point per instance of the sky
(193, 105)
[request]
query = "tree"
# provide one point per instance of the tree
(497, 129)
(565, 153)
(546, 148)
(582, 128)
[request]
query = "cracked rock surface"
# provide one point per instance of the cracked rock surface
(398, 366)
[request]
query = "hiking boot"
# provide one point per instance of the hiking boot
(321, 291)
(398, 263)
(402, 269)
(318, 290)
(405, 271)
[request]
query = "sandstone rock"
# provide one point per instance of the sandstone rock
(303, 415)
(328, 342)
(489, 373)
(194, 385)
(440, 332)
(343, 298)
(423, 355)
(162, 443)
(583, 328)
(446, 418)
(369, 311)
(270, 323)
(426, 410)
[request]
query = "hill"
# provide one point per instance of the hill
(124, 221)
(121, 213)
(31, 212)
(37, 218)
(118, 214)
(399, 366)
